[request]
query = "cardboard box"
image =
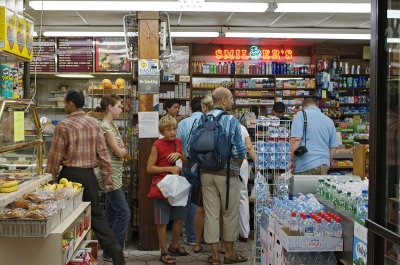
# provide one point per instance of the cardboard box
(360, 244)
(308, 243)
(8, 32)
(94, 245)
(20, 34)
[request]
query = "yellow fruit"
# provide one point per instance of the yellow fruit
(106, 83)
(68, 185)
(9, 189)
(60, 186)
(54, 186)
(63, 181)
(120, 82)
(9, 184)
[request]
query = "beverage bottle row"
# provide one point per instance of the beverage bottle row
(354, 82)
(351, 196)
(261, 68)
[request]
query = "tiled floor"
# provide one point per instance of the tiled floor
(137, 257)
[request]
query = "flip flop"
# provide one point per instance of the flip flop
(177, 252)
(235, 258)
(167, 259)
(198, 250)
(212, 261)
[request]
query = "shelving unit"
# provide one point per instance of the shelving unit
(48, 250)
(272, 85)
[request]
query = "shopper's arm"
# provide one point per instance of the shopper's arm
(332, 153)
(153, 169)
(294, 144)
(250, 148)
(57, 151)
(104, 161)
(115, 147)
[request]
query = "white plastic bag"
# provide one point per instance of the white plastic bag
(175, 188)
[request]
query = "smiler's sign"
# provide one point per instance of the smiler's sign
(254, 53)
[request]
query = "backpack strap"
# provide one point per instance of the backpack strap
(188, 139)
(228, 168)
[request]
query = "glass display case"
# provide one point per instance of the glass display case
(21, 144)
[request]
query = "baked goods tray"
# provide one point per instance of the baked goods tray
(29, 227)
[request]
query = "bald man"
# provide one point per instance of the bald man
(214, 185)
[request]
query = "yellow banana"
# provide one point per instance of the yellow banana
(10, 189)
(9, 184)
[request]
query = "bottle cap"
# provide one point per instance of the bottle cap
(308, 216)
(338, 219)
(293, 214)
(319, 213)
(328, 219)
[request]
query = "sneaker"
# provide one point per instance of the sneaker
(190, 243)
(126, 254)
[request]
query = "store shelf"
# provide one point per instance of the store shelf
(205, 88)
(261, 96)
(338, 168)
(351, 75)
(296, 88)
(213, 75)
(256, 89)
(25, 187)
(353, 89)
(252, 76)
(343, 156)
(308, 96)
(175, 98)
(173, 82)
(254, 104)
(353, 104)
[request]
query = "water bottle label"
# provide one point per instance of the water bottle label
(308, 231)
(338, 233)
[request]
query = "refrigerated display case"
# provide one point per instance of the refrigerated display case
(384, 202)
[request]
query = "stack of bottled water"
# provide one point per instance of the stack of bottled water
(351, 195)
(305, 216)
(273, 155)
(307, 258)
(262, 211)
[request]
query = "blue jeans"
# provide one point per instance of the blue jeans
(118, 214)
(190, 209)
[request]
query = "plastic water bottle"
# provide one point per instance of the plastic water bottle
(294, 229)
(308, 226)
(302, 224)
(318, 229)
(328, 227)
(362, 205)
(331, 259)
(337, 228)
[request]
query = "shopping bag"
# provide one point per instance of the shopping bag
(175, 188)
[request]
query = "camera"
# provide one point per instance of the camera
(300, 151)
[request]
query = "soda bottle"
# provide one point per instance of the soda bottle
(233, 68)
(220, 68)
(229, 69)
(225, 68)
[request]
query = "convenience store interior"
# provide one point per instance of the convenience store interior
(302, 50)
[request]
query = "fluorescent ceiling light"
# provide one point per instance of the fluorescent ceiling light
(393, 13)
(194, 34)
(121, 34)
(324, 7)
(82, 34)
(393, 40)
(147, 6)
(338, 36)
(74, 75)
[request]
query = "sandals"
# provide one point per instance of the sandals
(235, 258)
(166, 258)
(198, 250)
(177, 252)
(212, 261)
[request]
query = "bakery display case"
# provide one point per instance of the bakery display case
(21, 144)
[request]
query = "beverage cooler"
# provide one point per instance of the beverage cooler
(384, 200)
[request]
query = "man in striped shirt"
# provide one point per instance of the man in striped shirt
(79, 146)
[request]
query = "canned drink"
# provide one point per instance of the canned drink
(352, 69)
(358, 69)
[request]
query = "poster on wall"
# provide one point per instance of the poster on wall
(178, 63)
(111, 55)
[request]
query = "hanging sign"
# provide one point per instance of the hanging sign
(148, 67)
(254, 53)
(19, 128)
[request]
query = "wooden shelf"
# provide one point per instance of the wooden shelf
(337, 168)
(261, 96)
(255, 89)
(173, 82)
(308, 88)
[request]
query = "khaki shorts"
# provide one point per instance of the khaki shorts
(214, 197)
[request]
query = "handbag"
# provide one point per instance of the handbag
(303, 149)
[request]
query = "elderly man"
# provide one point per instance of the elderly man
(214, 185)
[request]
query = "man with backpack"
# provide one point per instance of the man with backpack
(217, 148)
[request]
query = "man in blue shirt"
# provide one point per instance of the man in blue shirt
(185, 130)
(214, 185)
(321, 141)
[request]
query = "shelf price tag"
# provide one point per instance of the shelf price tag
(19, 126)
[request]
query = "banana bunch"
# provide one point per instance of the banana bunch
(9, 186)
